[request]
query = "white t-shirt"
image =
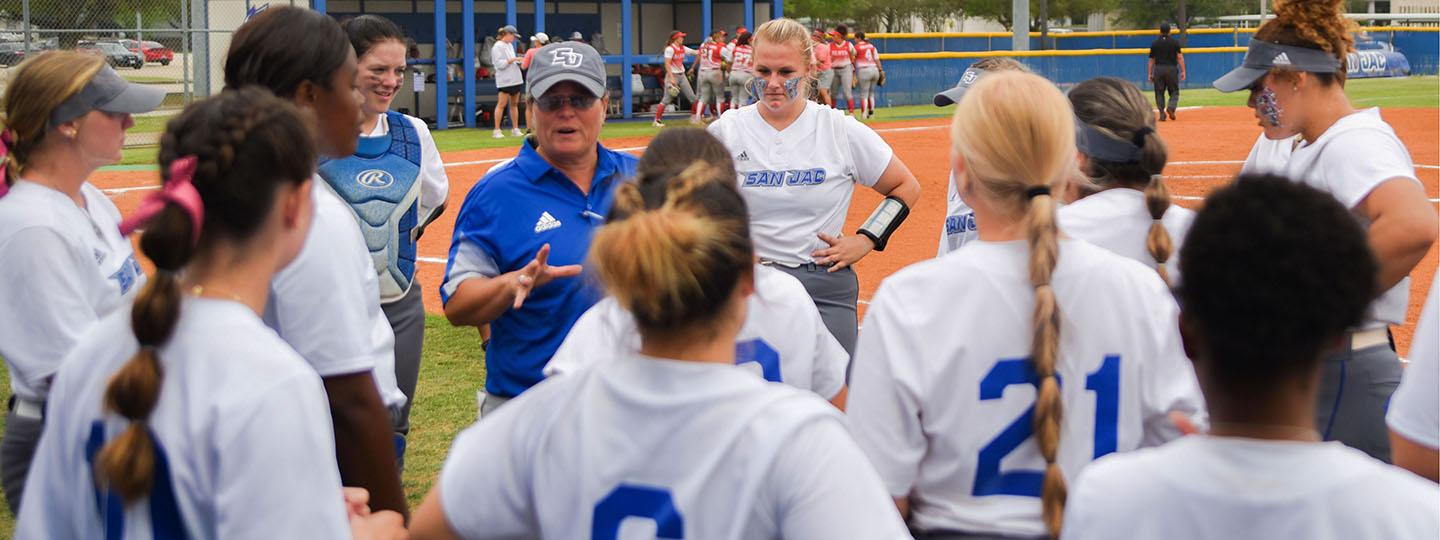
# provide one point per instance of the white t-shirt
(507, 73)
(782, 340)
(1350, 159)
(649, 447)
(959, 226)
(64, 268)
(242, 426)
(1117, 220)
(1204, 487)
(798, 182)
(434, 183)
(941, 392)
(326, 302)
(1415, 408)
(1269, 156)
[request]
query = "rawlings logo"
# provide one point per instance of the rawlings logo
(566, 57)
(375, 179)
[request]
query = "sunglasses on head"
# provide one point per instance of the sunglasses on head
(579, 102)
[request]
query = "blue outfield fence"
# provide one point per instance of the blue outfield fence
(913, 76)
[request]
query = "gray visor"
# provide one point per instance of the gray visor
(108, 92)
(1261, 57)
(953, 95)
(1092, 142)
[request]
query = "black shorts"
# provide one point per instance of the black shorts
(513, 90)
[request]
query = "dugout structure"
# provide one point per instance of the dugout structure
(631, 32)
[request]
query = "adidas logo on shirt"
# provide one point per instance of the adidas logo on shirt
(547, 222)
(1281, 59)
(744, 156)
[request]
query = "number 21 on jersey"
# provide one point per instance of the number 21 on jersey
(989, 480)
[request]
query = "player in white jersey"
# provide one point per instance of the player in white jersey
(326, 303)
(675, 81)
(782, 340)
(1295, 71)
(1125, 206)
(183, 416)
(986, 379)
(798, 164)
(395, 185)
(63, 263)
(1414, 414)
(741, 57)
(1258, 317)
(959, 226)
(672, 441)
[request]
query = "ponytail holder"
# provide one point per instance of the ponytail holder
(7, 138)
(1036, 192)
(179, 190)
(1139, 137)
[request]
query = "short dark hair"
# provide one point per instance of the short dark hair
(367, 31)
(1164, 28)
(1274, 271)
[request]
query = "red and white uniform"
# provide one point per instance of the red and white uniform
(840, 53)
(675, 57)
(741, 57)
(711, 55)
(822, 60)
(865, 54)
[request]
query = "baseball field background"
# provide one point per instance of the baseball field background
(1207, 145)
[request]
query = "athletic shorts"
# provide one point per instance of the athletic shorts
(513, 90)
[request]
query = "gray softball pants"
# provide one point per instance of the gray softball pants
(740, 88)
(680, 81)
(869, 76)
(712, 87)
(845, 77)
(1354, 394)
(836, 295)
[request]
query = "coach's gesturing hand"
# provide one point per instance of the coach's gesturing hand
(537, 274)
(843, 251)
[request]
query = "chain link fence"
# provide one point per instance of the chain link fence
(175, 45)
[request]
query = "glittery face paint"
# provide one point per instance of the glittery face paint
(1268, 106)
(791, 86)
(757, 88)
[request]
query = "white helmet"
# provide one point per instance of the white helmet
(541, 37)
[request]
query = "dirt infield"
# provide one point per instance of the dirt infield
(1206, 148)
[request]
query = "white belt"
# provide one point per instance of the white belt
(1362, 339)
(24, 408)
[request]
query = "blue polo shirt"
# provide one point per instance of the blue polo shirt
(507, 216)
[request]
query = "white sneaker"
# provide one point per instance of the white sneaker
(657, 123)
(516, 132)
(498, 135)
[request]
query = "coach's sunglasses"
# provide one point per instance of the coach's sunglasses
(579, 102)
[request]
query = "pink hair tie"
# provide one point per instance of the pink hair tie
(180, 191)
(7, 138)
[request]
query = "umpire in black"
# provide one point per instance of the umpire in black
(1167, 70)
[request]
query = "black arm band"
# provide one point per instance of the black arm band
(883, 221)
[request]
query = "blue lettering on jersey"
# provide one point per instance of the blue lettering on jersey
(959, 224)
(165, 519)
(760, 352)
(126, 276)
(794, 177)
(635, 501)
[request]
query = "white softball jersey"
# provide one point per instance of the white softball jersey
(64, 268)
(1269, 156)
(741, 57)
(1117, 220)
(434, 183)
(244, 447)
(959, 226)
(711, 55)
(783, 339)
(1220, 487)
(648, 448)
(1414, 411)
(326, 302)
(675, 57)
(942, 390)
(798, 182)
(1357, 154)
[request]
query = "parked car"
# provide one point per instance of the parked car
(12, 53)
(113, 52)
(155, 52)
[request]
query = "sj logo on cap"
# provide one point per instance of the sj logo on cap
(969, 78)
(566, 57)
